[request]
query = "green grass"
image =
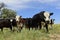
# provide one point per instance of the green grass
(25, 34)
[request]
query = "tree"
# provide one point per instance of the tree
(2, 5)
(8, 13)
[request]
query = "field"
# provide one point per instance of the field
(25, 34)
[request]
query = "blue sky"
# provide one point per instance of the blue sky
(28, 8)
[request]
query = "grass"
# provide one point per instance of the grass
(25, 34)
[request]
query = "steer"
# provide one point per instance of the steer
(43, 16)
(19, 22)
(5, 23)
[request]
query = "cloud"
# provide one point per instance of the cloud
(13, 1)
(58, 6)
(45, 1)
(16, 4)
(21, 4)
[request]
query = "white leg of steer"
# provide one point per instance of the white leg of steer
(51, 27)
(46, 14)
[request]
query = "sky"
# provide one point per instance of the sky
(28, 8)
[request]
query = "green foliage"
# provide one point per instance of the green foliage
(8, 13)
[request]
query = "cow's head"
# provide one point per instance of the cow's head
(47, 16)
(52, 21)
(18, 18)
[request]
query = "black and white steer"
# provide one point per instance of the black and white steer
(5, 23)
(43, 16)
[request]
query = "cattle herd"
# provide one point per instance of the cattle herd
(37, 21)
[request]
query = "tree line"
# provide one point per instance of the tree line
(6, 12)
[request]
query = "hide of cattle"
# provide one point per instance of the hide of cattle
(5, 23)
(43, 16)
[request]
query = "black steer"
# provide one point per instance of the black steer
(5, 23)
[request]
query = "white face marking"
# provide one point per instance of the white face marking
(17, 18)
(46, 14)
(11, 20)
(21, 24)
(50, 21)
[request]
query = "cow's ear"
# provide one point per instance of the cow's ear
(51, 14)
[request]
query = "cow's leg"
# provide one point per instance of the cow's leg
(51, 26)
(21, 26)
(29, 28)
(36, 27)
(46, 25)
(2, 29)
(32, 28)
(11, 28)
(40, 26)
(17, 28)
(20, 29)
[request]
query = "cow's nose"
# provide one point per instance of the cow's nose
(47, 19)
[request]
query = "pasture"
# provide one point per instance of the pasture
(25, 34)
